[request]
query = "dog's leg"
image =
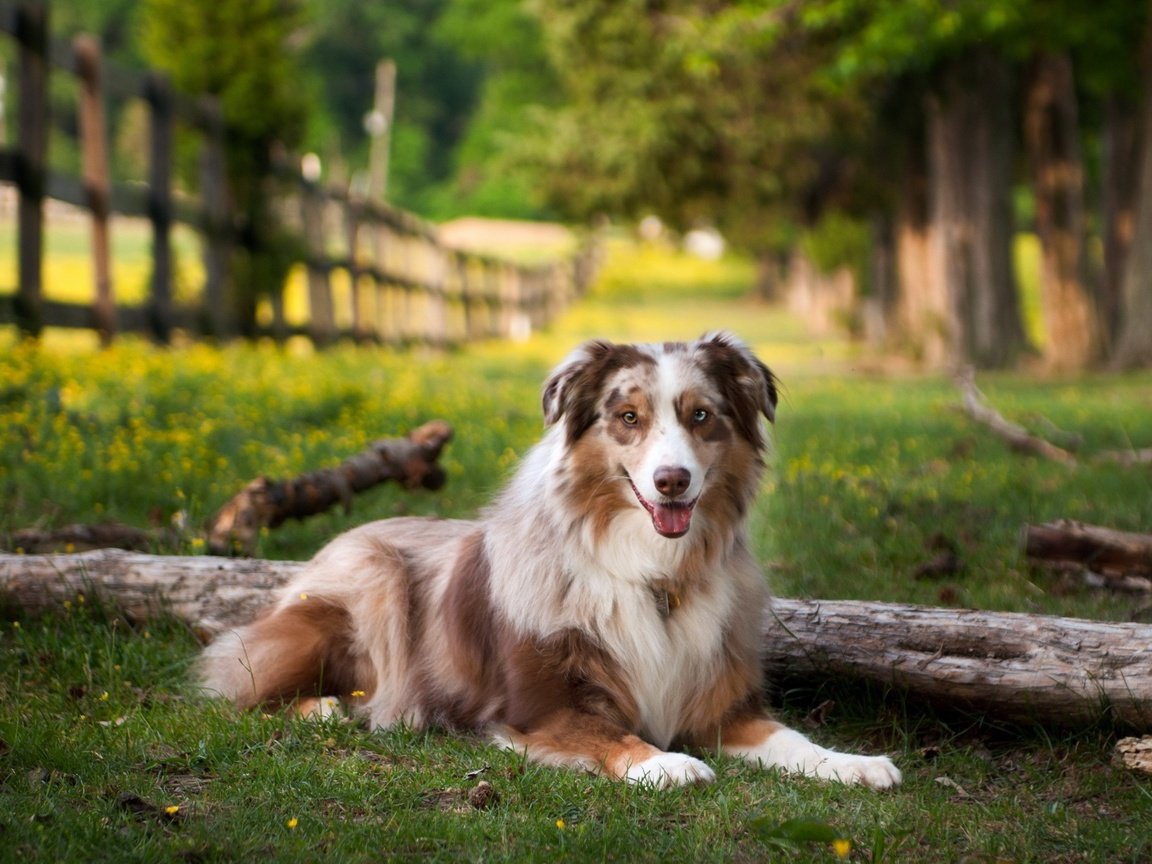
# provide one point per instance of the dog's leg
(574, 739)
(760, 739)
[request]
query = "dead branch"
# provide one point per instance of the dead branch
(266, 503)
(1016, 436)
(1054, 670)
(976, 406)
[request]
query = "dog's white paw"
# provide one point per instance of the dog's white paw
(788, 750)
(665, 770)
(320, 708)
(875, 772)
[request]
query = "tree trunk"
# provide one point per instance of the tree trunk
(1134, 343)
(970, 183)
(1119, 168)
(922, 314)
(1034, 667)
(1051, 130)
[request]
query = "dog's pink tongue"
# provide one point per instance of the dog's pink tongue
(671, 520)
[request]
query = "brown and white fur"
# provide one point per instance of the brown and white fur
(604, 609)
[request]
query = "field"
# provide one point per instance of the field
(106, 754)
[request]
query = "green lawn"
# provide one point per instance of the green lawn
(100, 738)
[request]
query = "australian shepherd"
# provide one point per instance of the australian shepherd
(604, 612)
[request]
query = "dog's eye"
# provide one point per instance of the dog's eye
(700, 415)
(629, 418)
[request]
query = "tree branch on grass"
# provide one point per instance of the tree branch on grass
(1016, 436)
(1059, 671)
(976, 406)
(265, 503)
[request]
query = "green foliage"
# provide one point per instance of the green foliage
(240, 51)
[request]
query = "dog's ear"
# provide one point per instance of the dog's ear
(749, 384)
(570, 377)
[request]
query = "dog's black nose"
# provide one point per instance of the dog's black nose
(672, 481)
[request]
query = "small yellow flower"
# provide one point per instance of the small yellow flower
(104, 696)
(560, 824)
(356, 694)
(293, 822)
(841, 848)
(172, 810)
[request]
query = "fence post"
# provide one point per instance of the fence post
(96, 181)
(32, 34)
(157, 93)
(351, 216)
(321, 320)
(217, 249)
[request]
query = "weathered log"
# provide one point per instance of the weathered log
(80, 537)
(1102, 550)
(1060, 671)
(265, 503)
(209, 593)
(1054, 670)
(1098, 557)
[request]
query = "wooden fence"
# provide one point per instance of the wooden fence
(400, 284)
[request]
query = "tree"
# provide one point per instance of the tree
(242, 52)
(1134, 347)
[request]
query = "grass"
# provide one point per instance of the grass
(100, 737)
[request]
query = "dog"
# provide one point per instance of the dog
(604, 610)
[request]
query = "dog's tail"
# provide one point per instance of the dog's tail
(302, 649)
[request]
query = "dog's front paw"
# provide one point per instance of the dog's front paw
(875, 772)
(665, 770)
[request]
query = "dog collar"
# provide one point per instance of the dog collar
(666, 602)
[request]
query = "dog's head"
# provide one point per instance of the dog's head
(666, 420)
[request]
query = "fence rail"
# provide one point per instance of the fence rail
(401, 284)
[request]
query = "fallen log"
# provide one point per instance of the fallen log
(265, 503)
(1058, 671)
(1102, 550)
(1061, 671)
(81, 537)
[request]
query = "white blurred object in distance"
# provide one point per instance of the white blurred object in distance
(310, 167)
(704, 243)
(650, 229)
(521, 327)
(375, 123)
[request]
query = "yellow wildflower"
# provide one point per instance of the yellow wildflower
(172, 810)
(293, 822)
(841, 848)
(356, 694)
(104, 696)
(560, 824)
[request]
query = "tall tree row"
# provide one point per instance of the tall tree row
(948, 126)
